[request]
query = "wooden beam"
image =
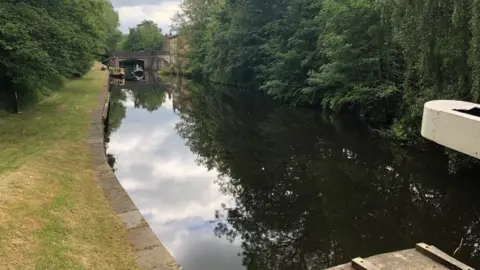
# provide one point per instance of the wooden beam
(441, 257)
(362, 264)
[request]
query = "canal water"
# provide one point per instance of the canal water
(229, 179)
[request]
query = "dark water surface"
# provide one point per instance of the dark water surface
(284, 188)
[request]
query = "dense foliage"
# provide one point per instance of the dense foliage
(146, 36)
(42, 42)
(381, 59)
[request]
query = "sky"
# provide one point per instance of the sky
(133, 12)
(177, 197)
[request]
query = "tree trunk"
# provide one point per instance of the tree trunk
(11, 97)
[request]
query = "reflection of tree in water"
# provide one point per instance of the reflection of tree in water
(117, 110)
(111, 161)
(312, 192)
(148, 99)
(116, 114)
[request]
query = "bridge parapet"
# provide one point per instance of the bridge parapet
(151, 61)
(124, 55)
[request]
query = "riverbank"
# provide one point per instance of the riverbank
(53, 214)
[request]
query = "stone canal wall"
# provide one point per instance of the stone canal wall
(150, 252)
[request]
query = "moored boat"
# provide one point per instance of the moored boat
(117, 72)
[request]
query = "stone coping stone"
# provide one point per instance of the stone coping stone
(150, 252)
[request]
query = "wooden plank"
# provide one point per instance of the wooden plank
(362, 264)
(441, 257)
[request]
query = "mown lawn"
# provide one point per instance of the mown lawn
(53, 214)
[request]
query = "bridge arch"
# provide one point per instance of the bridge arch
(131, 61)
(150, 61)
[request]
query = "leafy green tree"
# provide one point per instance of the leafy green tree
(379, 60)
(146, 36)
(198, 22)
(292, 51)
(113, 36)
(331, 52)
(43, 41)
(361, 69)
(440, 51)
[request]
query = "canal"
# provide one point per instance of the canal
(229, 179)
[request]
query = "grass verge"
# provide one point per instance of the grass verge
(53, 214)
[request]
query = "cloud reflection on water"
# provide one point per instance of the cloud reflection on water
(177, 197)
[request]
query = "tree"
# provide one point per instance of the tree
(146, 36)
(361, 69)
(113, 35)
(198, 22)
(43, 41)
(378, 60)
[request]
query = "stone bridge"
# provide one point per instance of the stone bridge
(150, 61)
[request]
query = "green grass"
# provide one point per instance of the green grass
(53, 215)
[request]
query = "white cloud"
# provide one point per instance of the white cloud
(139, 144)
(161, 14)
(199, 249)
(176, 195)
